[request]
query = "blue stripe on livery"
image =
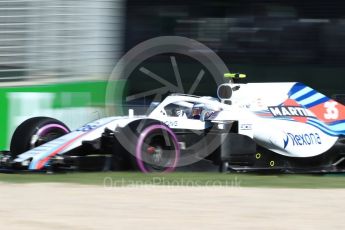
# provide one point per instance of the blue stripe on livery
(308, 97)
(304, 96)
(320, 101)
(296, 88)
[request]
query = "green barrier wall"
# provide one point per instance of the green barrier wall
(73, 103)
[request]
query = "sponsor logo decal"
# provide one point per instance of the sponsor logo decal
(246, 127)
(302, 139)
(213, 115)
(290, 111)
(88, 127)
(94, 125)
(171, 123)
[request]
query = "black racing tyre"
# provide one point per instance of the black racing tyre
(157, 149)
(224, 167)
(153, 147)
(34, 132)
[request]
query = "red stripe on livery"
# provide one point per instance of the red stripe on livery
(42, 162)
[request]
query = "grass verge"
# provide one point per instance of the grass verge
(182, 179)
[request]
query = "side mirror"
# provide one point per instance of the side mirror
(224, 92)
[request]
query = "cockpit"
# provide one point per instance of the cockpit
(190, 110)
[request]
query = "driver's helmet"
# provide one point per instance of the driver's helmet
(197, 110)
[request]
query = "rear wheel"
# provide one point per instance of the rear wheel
(35, 132)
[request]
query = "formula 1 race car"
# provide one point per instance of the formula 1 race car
(278, 127)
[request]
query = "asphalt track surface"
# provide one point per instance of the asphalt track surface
(70, 206)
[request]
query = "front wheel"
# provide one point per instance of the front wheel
(35, 132)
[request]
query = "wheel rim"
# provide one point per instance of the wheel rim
(47, 133)
(156, 151)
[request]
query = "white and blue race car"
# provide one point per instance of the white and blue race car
(278, 127)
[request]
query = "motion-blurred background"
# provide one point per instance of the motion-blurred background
(270, 40)
(56, 55)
